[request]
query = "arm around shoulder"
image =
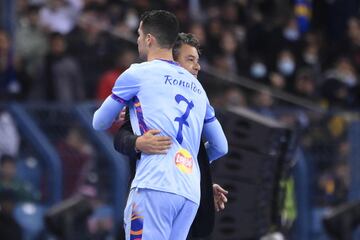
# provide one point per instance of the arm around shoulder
(106, 113)
(125, 87)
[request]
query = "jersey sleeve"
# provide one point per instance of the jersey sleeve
(210, 113)
(126, 87)
(216, 143)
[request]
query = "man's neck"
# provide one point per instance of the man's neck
(160, 53)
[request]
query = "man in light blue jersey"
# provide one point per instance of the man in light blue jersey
(162, 95)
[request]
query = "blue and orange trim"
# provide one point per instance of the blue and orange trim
(139, 114)
(137, 225)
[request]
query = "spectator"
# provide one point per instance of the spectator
(310, 55)
(12, 79)
(277, 81)
(335, 94)
(346, 72)
(9, 228)
(311, 58)
(305, 84)
(214, 31)
(59, 15)
(345, 89)
(229, 46)
(333, 189)
(233, 97)
(352, 43)
(10, 139)
(91, 46)
(286, 66)
(75, 153)
(31, 41)
(23, 192)
(199, 32)
(289, 37)
(258, 70)
(263, 103)
(100, 223)
(122, 62)
(61, 75)
(126, 26)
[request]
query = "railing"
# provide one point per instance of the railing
(317, 144)
(220, 80)
(7, 15)
(117, 161)
(41, 144)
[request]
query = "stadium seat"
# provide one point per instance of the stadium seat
(30, 218)
(29, 170)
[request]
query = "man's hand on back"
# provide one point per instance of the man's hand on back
(149, 143)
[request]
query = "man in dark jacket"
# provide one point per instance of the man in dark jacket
(186, 53)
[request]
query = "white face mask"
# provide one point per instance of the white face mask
(258, 70)
(286, 66)
(291, 34)
(240, 34)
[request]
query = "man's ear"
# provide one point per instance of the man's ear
(149, 40)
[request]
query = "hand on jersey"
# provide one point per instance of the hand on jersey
(219, 197)
(150, 143)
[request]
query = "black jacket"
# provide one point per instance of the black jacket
(124, 142)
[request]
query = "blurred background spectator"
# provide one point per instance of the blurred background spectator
(266, 41)
(61, 79)
(76, 155)
(13, 80)
(9, 227)
(10, 139)
(279, 58)
(9, 182)
(121, 62)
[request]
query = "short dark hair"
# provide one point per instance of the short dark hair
(6, 158)
(185, 38)
(163, 25)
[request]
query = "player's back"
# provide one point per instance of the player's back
(170, 99)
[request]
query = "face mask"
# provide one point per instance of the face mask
(258, 70)
(240, 34)
(291, 34)
(14, 87)
(310, 59)
(286, 67)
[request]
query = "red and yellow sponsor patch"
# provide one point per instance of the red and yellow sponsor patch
(184, 161)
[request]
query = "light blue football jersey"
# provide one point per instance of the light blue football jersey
(162, 95)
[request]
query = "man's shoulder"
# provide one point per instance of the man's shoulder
(135, 70)
(139, 68)
(145, 64)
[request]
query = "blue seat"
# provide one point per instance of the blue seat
(30, 217)
(29, 170)
(318, 231)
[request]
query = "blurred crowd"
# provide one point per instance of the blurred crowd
(72, 50)
(69, 51)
